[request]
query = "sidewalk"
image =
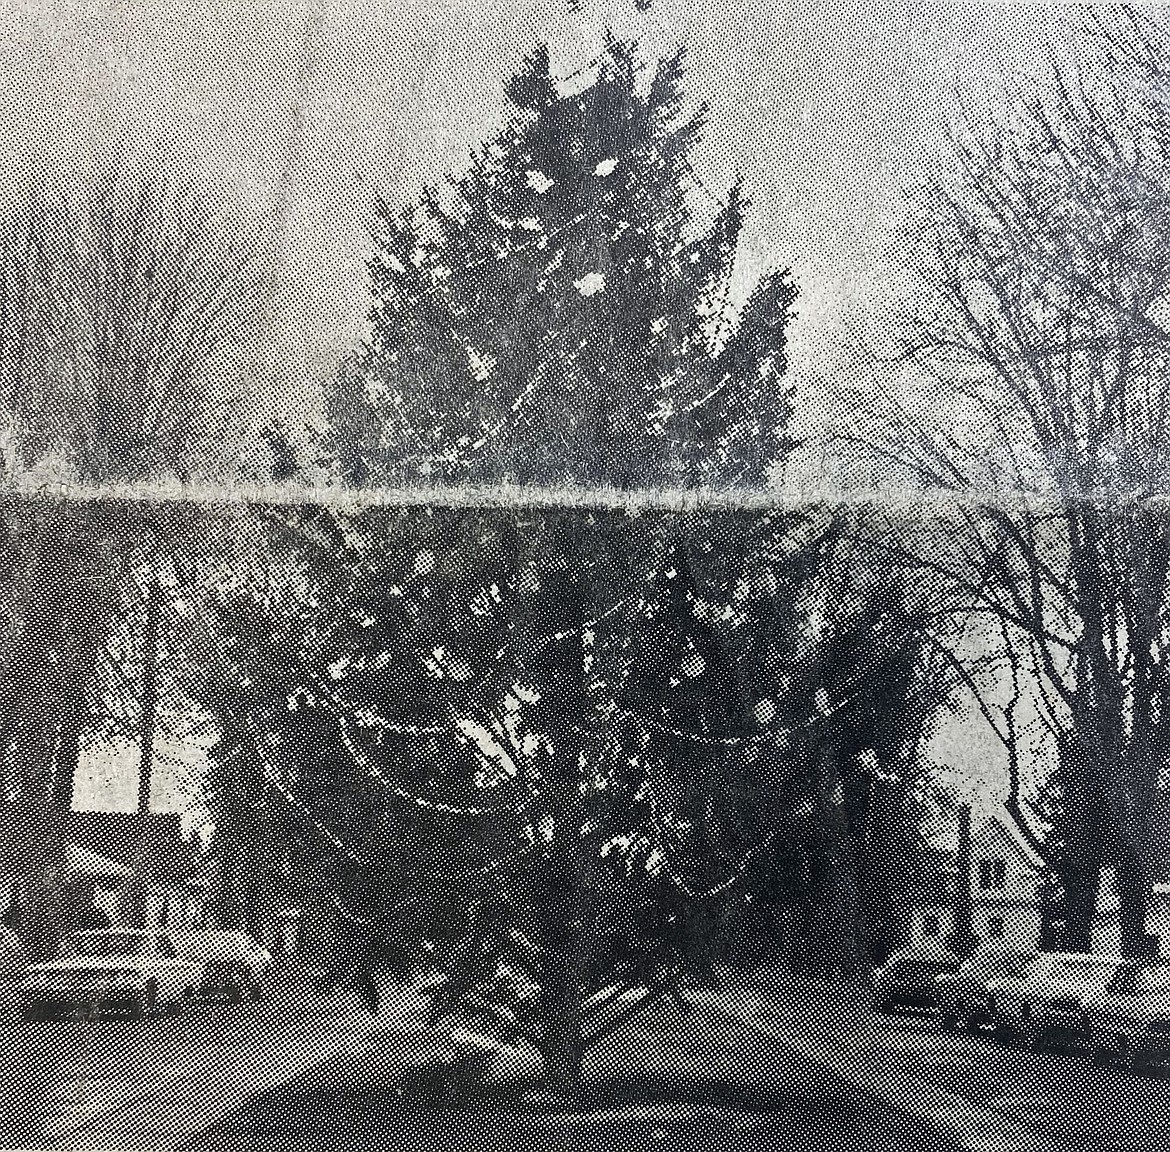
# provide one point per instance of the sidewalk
(221, 1072)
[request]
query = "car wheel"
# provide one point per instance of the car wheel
(147, 1003)
(1125, 1056)
(1001, 1031)
(235, 989)
(1031, 1035)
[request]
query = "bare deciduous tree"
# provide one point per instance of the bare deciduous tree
(124, 314)
(1041, 315)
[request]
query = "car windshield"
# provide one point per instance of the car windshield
(999, 962)
(1155, 979)
(102, 945)
(918, 969)
(1086, 966)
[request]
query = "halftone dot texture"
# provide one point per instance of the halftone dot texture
(645, 781)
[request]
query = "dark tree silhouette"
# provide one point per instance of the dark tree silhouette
(122, 321)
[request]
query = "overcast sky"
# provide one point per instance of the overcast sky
(829, 110)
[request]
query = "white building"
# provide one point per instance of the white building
(1004, 882)
(1006, 876)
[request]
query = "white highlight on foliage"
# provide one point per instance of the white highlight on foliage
(538, 181)
(764, 711)
(693, 665)
(590, 284)
(621, 843)
(480, 365)
(526, 694)
(822, 701)
(424, 563)
(605, 167)
(489, 748)
(375, 390)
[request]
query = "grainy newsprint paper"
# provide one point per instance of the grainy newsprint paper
(584, 574)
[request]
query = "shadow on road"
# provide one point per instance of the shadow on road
(704, 1084)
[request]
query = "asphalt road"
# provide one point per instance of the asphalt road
(784, 1065)
(137, 1084)
(1060, 1096)
(989, 1094)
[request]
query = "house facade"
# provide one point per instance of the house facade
(1004, 880)
(110, 857)
(1007, 882)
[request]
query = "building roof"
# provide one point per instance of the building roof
(81, 862)
(150, 843)
(1001, 820)
(103, 845)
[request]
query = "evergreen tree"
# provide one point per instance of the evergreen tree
(560, 313)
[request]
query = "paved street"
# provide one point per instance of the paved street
(777, 1062)
(117, 1083)
(988, 1094)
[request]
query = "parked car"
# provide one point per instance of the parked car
(1129, 1022)
(120, 970)
(907, 978)
(1047, 1002)
(962, 996)
(233, 964)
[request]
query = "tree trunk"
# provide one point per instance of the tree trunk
(136, 892)
(149, 695)
(1132, 904)
(962, 939)
(1085, 755)
(562, 1049)
(43, 924)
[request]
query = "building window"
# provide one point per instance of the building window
(995, 927)
(929, 925)
(992, 875)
